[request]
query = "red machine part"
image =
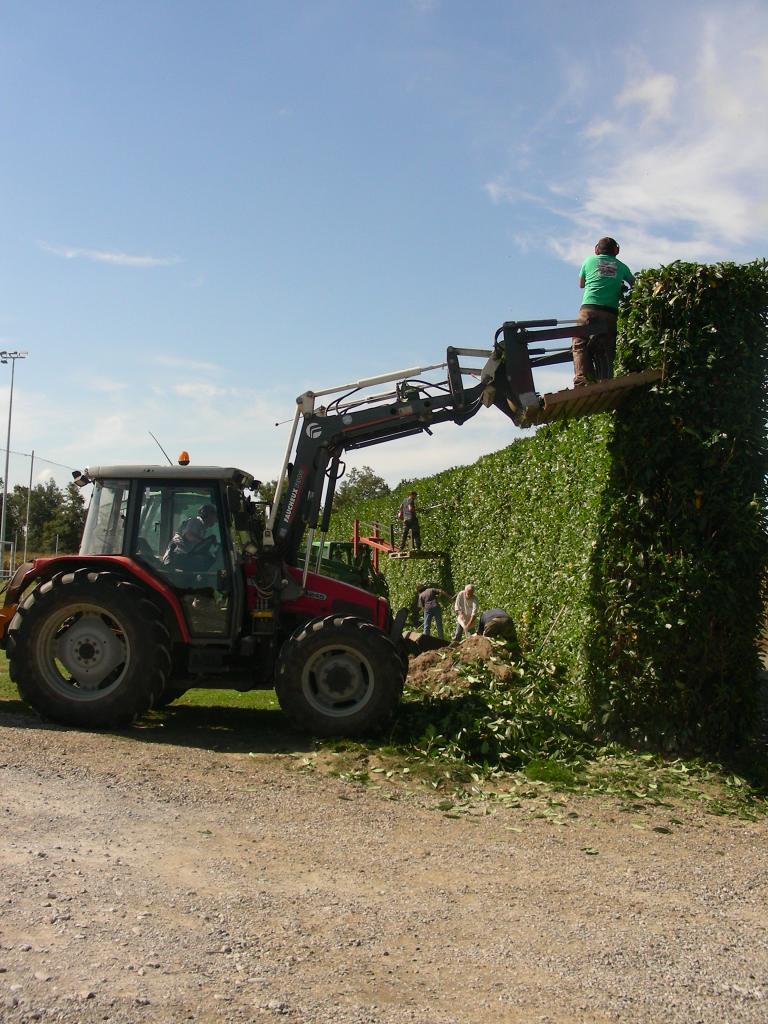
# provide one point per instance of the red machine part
(325, 596)
(45, 568)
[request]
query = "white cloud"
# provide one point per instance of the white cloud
(499, 192)
(113, 429)
(597, 130)
(654, 92)
(674, 167)
(648, 249)
(120, 259)
(108, 384)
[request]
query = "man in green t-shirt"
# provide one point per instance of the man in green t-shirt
(602, 277)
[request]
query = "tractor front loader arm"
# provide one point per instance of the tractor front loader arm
(351, 419)
(321, 435)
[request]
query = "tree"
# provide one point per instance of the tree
(13, 524)
(360, 485)
(267, 490)
(65, 527)
(45, 502)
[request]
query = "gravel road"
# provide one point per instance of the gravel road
(201, 874)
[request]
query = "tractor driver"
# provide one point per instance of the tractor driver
(190, 539)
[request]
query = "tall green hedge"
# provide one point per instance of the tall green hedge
(517, 524)
(631, 547)
(678, 574)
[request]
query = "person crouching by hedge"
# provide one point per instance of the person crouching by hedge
(466, 608)
(429, 601)
(494, 622)
(602, 277)
(499, 624)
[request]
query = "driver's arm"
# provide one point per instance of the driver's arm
(194, 532)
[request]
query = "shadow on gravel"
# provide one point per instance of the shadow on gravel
(227, 730)
(223, 729)
(15, 707)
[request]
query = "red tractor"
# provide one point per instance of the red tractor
(185, 579)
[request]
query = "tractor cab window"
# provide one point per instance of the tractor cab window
(247, 521)
(104, 532)
(179, 537)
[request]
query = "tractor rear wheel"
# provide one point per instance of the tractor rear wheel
(339, 676)
(89, 649)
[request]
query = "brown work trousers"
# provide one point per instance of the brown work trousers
(593, 356)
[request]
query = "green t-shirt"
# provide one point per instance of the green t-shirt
(604, 276)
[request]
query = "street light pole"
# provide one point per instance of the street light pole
(4, 358)
(29, 501)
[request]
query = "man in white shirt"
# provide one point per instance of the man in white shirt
(466, 608)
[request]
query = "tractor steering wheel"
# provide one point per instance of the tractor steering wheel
(203, 547)
(201, 557)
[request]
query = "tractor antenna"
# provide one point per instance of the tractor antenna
(165, 453)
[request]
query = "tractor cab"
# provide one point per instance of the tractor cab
(187, 526)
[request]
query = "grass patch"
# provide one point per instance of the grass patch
(477, 742)
(556, 774)
(259, 700)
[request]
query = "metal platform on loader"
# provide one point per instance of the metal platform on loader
(513, 362)
(416, 554)
(387, 546)
(572, 403)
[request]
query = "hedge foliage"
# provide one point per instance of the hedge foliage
(678, 574)
(630, 547)
(517, 524)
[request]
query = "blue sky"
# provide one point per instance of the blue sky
(209, 208)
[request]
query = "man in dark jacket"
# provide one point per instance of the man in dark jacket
(497, 623)
(192, 540)
(410, 522)
(429, 600)
(493, 621)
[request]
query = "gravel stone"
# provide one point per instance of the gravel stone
(194, 882)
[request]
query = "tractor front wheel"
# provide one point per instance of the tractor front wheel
(339, 676)
(89, 649)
